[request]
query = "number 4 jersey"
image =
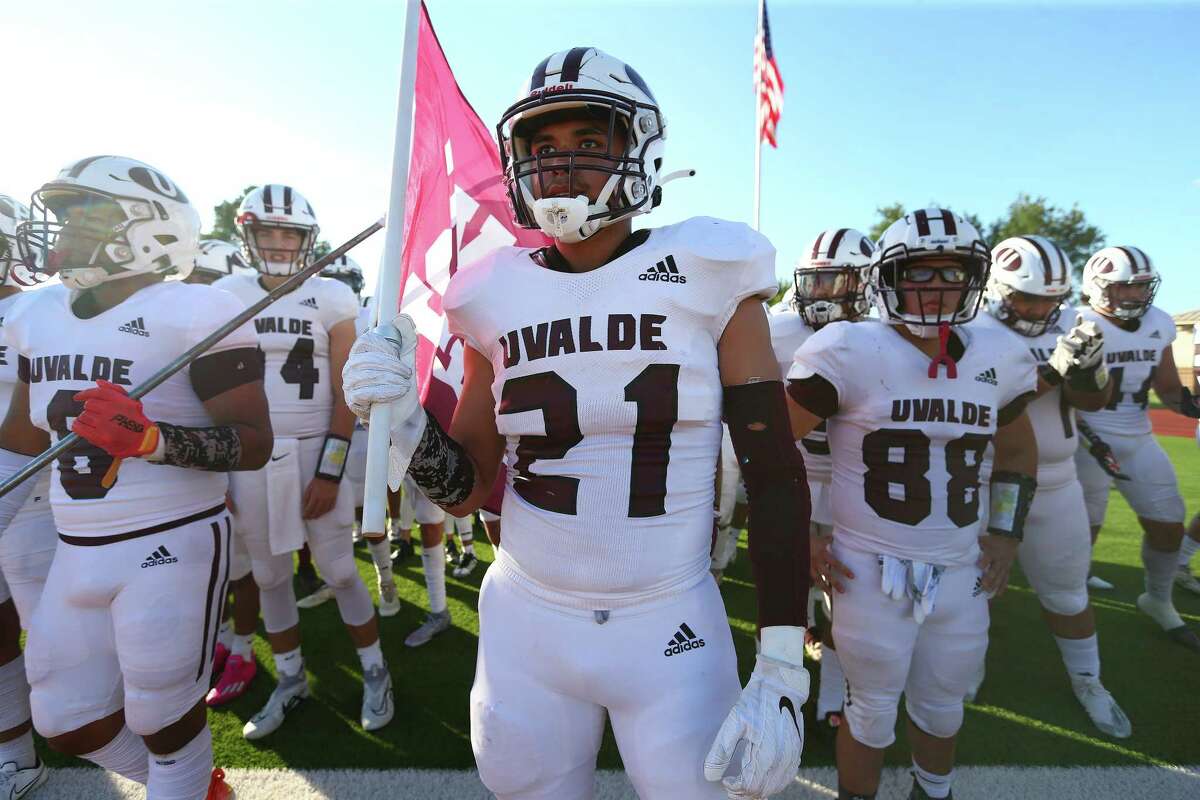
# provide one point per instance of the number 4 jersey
(607, 392)
(907, 449)
(61, 355)
(294, 334)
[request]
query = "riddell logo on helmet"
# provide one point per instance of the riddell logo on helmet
(664, 271)
(556, 89)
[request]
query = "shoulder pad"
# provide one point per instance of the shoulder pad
(715, 239)
(473, 278)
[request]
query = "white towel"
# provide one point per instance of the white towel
(285, 525)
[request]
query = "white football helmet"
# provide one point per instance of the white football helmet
(14, 269)
(109, 217)
(924, 234)
(583, 81)
(217, 259)
(278, 206)
(345, 269)
(829, 277)
(1115, 266)
(1031, 265)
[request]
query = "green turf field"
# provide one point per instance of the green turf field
(1025, 714)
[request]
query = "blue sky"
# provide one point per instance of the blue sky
(965, 104)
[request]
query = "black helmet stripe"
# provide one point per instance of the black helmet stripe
(267, 204)
(948, 222)
(571, 64)
(287, 200)
(837, 240)
(1062, 259)
(539, 74)
(817, 245)
(80, 166)
(638, 82)
(1047, 267)
(1129, 253)
(922, 222)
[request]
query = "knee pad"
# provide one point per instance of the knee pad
(339, 571)
(1065, 602)
(270, 573)
(156, 698)
(937, 719)
(502, 742)
(278, 605)
(14, 694)
(872, 721)
(354, 603)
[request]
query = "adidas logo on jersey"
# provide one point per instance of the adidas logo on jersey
(987, 376)
(1155, 335)
(683, 641)
(158, 558)
(136, 327)
(664, 271)
(310, 302)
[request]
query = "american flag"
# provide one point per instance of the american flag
(768, 83)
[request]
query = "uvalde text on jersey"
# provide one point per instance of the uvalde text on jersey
(583, 335)
(936, 409)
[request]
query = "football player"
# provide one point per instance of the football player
(120, 646)
(462, 562)
(599, 368)
(218, 259)
(1026, 298)
(299, 496)
(431, 520)
(1119, 285)
(827, 287)
(912, 403)
(27, 541)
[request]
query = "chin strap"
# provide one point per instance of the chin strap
(943, 356)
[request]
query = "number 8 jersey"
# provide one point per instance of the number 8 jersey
(908, 449)
(608, 394)
(294, 334)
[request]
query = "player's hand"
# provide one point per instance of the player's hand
(1107, 459)
(995, 562)
(320, 496)
(824, 567)
(115, 422)
(1189, 404)
(381, 368)
(765, 726)
(1078, 350)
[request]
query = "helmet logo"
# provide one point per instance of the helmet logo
(156, 182)
(555, 89)
(1009, 259)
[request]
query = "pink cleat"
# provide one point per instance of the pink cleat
(234, 681)
(220, 656)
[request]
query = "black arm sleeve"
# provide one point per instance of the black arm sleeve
(814, 394)
(215, 449)
(441, 466)
(777, 491)
(216, 373)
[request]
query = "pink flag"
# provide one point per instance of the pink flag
(457, 211)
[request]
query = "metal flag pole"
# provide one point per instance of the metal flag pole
(757, 128)
(387, 287)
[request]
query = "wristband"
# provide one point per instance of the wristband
(1092, 380)
(333, 458)
(1050, 375)
(1011, 497)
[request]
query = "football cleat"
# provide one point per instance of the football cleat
(1106, 715)
(16, 783)
(1168, 619)
(1184, 579)
(452, 554)
(918, 793)
(1099, 584)
(234, 681)
(434, 624)
(403, 552)
(378, 705)
(220, 656)
(289, 693)
(389, 600)
(218, 789)
(466, 565)
(321, 594)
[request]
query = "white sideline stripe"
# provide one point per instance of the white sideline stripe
(995, 783)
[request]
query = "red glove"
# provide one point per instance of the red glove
(114, 422)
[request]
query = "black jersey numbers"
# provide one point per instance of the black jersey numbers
(1141, 397)
(655, 393)
(299, 368)
(82, 468)
(899, 457)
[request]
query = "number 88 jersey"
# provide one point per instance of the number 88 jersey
(293, 333)
(608, 394)
(908, 450)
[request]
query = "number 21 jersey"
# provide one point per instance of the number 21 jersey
(608, 394)
(294, 335)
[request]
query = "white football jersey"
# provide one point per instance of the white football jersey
(608, 394)
(294, 334)
(8, 382)
(1052, 417)
(1132, 357)
(908, 449)
(788, 332)
(61, 355)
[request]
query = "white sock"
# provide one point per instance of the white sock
(19, 750)
(289, 663)
(1081, 657)
(831, 695)
(184, 774)
(381, 554)
(14, 695)
(393, 530)
(370, 656)
(125, 755)
(1187, 549)
(1160, 571)
(931, 783)
(243, 646)
(433, 559)
(468, 542)
(225, 635)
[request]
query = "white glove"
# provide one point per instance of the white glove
(893, 577)
(764, 731)
(1078, 350)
